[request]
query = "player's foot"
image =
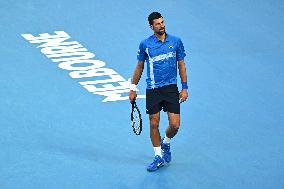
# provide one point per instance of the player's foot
(167, 156)
(157, 163)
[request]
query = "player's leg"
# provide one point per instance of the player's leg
(172, 107)
(153, 108)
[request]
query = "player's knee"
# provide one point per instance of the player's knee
(154, 125)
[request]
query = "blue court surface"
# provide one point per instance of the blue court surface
(66, 124)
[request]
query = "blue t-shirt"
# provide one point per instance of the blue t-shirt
(161, 58)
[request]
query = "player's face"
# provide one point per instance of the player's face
(159, 26)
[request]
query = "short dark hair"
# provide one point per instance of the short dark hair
(153, 16)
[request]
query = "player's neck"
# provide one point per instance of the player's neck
(161, 37)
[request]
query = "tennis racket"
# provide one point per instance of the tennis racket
(136, 119)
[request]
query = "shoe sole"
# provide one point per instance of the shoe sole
(152, 170)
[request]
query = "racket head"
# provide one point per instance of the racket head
(136, 119)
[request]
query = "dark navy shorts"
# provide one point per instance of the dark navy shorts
(166, 98)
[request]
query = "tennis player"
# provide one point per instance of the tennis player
(163, 53)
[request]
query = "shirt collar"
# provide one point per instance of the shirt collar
(157, 40)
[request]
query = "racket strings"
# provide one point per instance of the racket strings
(136, 120)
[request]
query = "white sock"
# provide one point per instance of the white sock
(158, 151)
(166, 140)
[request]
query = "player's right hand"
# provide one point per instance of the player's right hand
(132, 96)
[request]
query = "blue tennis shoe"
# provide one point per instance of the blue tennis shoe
(167, 156)
(157, 163)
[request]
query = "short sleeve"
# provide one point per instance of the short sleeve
(141, 55)
(180, 51)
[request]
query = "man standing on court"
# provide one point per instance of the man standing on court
(163, 53)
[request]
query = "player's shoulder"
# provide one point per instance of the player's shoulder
(148, 39)
(147, 42)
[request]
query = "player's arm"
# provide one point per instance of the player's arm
(183, 78)
(135, 79)
(137, 72)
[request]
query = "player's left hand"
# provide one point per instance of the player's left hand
(183, 95)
